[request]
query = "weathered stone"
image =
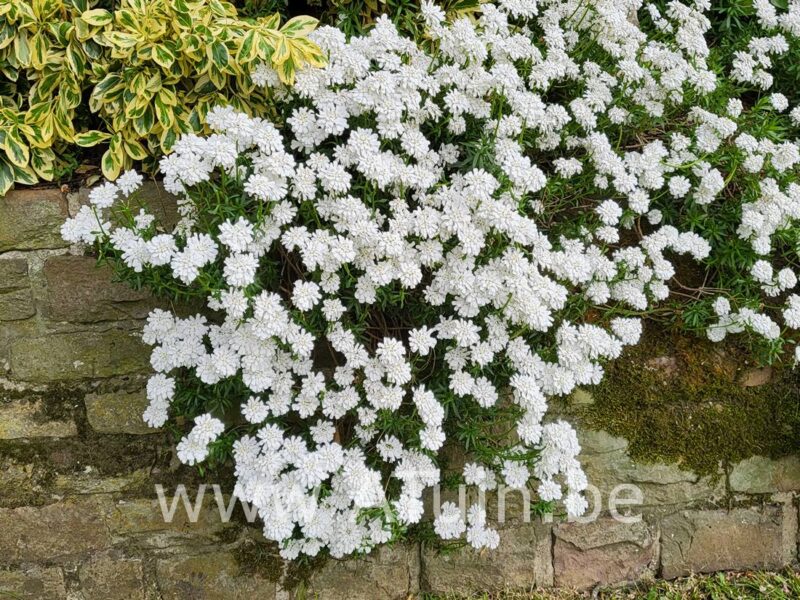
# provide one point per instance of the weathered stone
(607, 464)
(112, 577)
(703, 541)
(21, 419)
(70, 527)
(16, 300)
(153, 198)
(117, 412)
(761, 475)
(603, 552)
(80, 355)
(90, 482)
(31, 219)
(522, 560)
(80, 291)
(390, 573)
(756, 377)
(159, 526)
(581, 397)
(214, 576)
(32, 583)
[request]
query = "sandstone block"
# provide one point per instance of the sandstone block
(16, 300)
(80, 291)
(523, 560)
(761, 475)
(31, 219)
(32, 583)
(214, 576)
(390, 573)
(117, 412)
(66, 528)
(153, 198)
(21, 419)
(604, 552)
(112, 577)
(607, 464)
(80, 355)
(703, 541)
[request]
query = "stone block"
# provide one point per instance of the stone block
(90, 482)
(523, 560)
(387, 572)
(761, 475)
(607, 464)
(31, 219)
(80, 291)
(67, 528)
(153, 198)
(32, 583)
(117, 412)
(59, 357)
(111, 576)
(603, 552)
(16, 300)
(153, 525)
(22, 419)
(213, 576)
(704, 541)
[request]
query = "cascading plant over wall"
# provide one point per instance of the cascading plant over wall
(429, 240)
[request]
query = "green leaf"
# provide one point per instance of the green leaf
(219, 54)
(248, 50)
(87, 139)
(135, 150)
(163, 56)
(75, 60)
(6, 177)
(97, 17)
(24, 175)
(42, 162)
(16, 148)
(299, 26)
(22, 49)
(111, 162)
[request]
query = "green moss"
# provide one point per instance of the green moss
(58, 401)
(259, 558)
(680, 399)
(299, 572)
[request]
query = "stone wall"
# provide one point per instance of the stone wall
(80, 518)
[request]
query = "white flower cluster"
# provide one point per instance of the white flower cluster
(402, 175)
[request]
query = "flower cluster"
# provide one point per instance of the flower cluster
(391, 269)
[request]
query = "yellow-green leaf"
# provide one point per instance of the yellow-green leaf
(6, 177)
(298, 27)
(248, 49)
(281, 53)
(97, 17)
(87, 139)
(16, 148)
(40, 47)
(42, 162)
(163, 56)
(135, 150)
(22, 50)
(111, 163)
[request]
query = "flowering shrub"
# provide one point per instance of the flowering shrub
(435, 237)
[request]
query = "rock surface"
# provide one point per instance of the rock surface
(604, 552)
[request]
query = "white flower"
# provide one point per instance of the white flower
(305, 295)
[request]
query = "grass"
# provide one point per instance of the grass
(784, 585)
